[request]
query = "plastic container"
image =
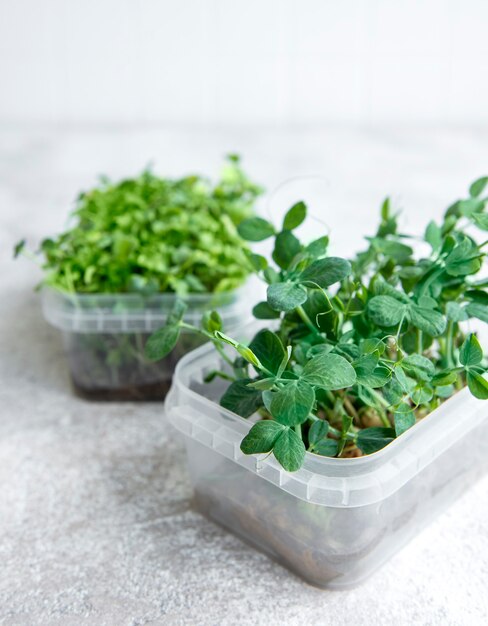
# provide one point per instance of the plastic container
(335, 521)
(105, 334)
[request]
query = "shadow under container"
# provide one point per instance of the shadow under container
(335, 521)
(104, 337)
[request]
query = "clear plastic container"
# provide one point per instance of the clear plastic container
(105, 335)
(335, 521)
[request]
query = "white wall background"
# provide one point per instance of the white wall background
(243, 61)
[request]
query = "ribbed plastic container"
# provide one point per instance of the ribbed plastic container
(105, 334)
(335, 521)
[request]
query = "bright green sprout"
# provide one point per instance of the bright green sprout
(152, 235)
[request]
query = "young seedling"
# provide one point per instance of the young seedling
(358, 350)
(154, 235)
(145, 236)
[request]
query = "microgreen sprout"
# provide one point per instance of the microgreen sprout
(151, 235)
(357, 351)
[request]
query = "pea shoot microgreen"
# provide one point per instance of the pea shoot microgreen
(357, 350)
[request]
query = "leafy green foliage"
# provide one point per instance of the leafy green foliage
(289, 450)
(150, 235)
(255, 229)
(291, 404)
(241, 398)
(262, 437)
(329, 371)
(471, 357)
(295, 216)
(359, 350)
(162, 342)
(371, 440)
(286, 296)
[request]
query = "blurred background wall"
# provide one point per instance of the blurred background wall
(243, 61)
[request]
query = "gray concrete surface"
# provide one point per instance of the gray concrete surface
(96, 521)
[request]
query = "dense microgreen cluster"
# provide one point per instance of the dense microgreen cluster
(356, 351)
(150, 234)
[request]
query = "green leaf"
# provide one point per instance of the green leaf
(366, 364)
(242, 399)
(19, 247)
(481, 220)
(444, 378)
(262, 437)
(392, 392)
(318, 247)
(291, 404)
(404, 418)
(326, 272)
(406, 383)
(329, 371)
(289, 450)
(444, 391)
(368, 346)
(369, 373)
(255, 229)
(456, 312)
(262, 311)
(464, 259)
(419, 367)
(295, 216)
(429, 321)
(377, 378)
(372, 439)
(477, 188)
(477, 385)
(286, 296)
(433, 236)
(271, 276)
(258, 261)
(386, 311)
(470, 206)
(394, 249)
(317, 432)
(267, 346)
(478, 310)
(422, 393)
(326, 447)
(471, 353)
(161, 342)
(477, 295)
(286, 248)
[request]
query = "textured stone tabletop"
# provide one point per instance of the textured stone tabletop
(96, 521)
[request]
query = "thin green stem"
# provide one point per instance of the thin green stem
(420, 341)
(223, 375)
(305, 318)
(208, 335)
(397, 336)
(449, 342)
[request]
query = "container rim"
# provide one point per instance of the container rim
(134, 312)
(136, 297)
